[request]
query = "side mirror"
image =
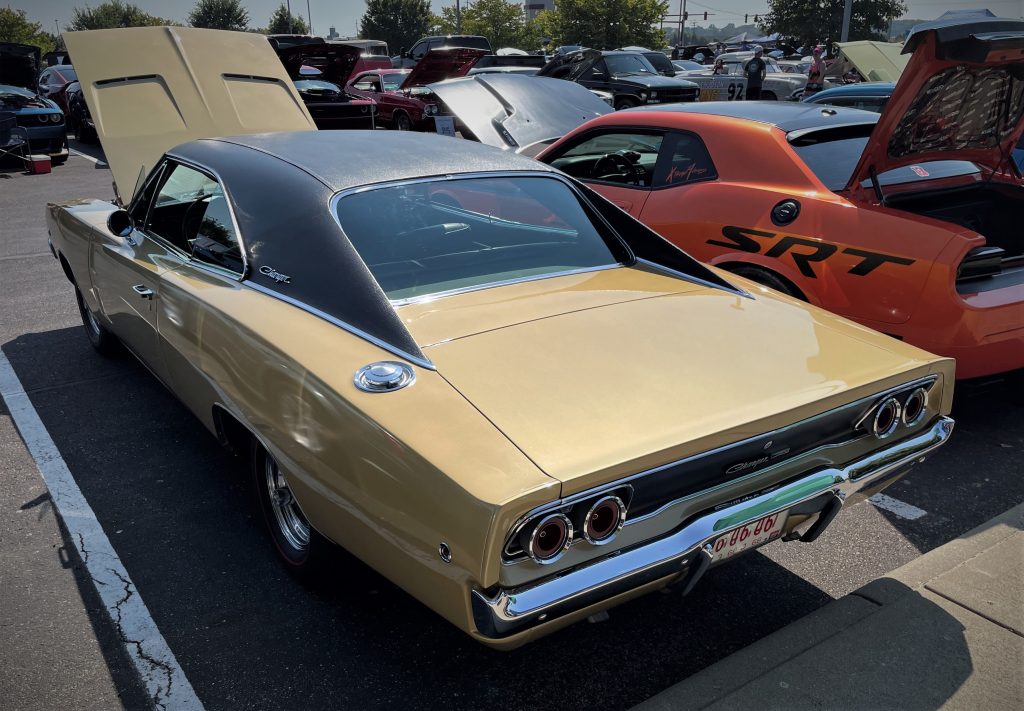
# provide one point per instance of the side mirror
(120, 223)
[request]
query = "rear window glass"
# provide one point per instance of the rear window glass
(432, 237)
(471, 42)
(834, 161)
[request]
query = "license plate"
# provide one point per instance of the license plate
(754, 534)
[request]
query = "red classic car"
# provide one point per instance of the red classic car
(403, 101)
(319, 72)
(908, 222)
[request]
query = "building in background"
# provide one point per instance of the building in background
(535, 7)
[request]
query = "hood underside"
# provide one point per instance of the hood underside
(164, 86)
(961, 97)
(442, 63)
(335, 62)
(514, 112)
(570, 66)
(601, 375)
(19, 65)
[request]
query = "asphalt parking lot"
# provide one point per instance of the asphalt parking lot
(177, 511)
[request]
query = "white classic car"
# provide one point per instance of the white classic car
(733, 84)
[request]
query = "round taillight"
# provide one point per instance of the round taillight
(604, 519)
(914, 407)
(549, 538)
(887, 417)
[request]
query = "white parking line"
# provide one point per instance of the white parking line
(153, 659)
(97, 161)
(897, 507)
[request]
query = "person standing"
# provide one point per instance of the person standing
(755, 70)
(816, 74)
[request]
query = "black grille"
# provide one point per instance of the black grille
(671, 96)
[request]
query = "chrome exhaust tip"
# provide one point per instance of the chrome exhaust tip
(604, 520)
(549, 538)
(887, 418)
(915, 406)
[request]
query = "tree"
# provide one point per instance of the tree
(113, 13)
(397, 22)
(815, 21)
(219, 15)
(500, 21)
(15, 27)
(607, 24)
(281, 24)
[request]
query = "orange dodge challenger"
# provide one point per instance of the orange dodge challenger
(909, 222)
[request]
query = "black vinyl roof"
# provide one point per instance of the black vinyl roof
(348, 159)
(787, 116)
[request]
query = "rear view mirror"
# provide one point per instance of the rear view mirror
(120, 223)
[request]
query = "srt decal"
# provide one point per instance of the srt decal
(804, 251)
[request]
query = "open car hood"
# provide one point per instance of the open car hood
(19, 65)
(514, 112)
(875, 61)
(961, 97)
(169, 85)
(442, 63)
(336, 62)
(570, 66)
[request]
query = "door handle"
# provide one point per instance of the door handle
(142, 290)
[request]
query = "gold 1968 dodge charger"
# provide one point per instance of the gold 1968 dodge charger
(472, 372)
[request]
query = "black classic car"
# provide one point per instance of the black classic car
(79, 120)
(629, 76)
(320, 72)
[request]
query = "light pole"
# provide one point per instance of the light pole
(458, 17)
(309, 18)
(290, 28)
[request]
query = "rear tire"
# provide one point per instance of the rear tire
(304, 551)
(769, 96)
(769, 279)
(622, 104)
(101, 339)
(83, 134)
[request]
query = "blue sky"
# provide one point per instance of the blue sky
(345, 14)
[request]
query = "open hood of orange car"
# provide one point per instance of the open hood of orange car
(961, 97)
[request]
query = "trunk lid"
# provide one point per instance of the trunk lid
(960, 97)
(152, 88)
(642, 370)
(511, 111)
(442, 63)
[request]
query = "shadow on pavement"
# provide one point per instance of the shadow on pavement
(177, 510)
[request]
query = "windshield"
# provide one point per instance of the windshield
(393, 81)
(67, 73)
(442, 235)
(628, 64)
(660, 62)
(833, 161)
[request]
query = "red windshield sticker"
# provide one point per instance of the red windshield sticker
(919, 170)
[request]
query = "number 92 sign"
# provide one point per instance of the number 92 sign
(721, 88)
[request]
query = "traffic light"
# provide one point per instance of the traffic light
(745, 19)
(705, 17)
(686, 16)
(757, 18)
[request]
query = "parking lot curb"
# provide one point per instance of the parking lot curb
(943, 631)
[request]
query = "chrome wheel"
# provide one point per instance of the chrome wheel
(290, 522)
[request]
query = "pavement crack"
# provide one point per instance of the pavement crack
(156, 665)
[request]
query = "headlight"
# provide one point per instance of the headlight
(654, 95)
(643, 96)
(430, 109)
(55, 118)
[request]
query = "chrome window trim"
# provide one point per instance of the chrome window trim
(925, 382)
(694, 279)
(212, 173)
(422, 362)
(494, 285)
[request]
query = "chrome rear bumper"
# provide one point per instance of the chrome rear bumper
(685, 554)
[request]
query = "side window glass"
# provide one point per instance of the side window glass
(624, 158)
(685, 160)
(140, 208)
(190, 211)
